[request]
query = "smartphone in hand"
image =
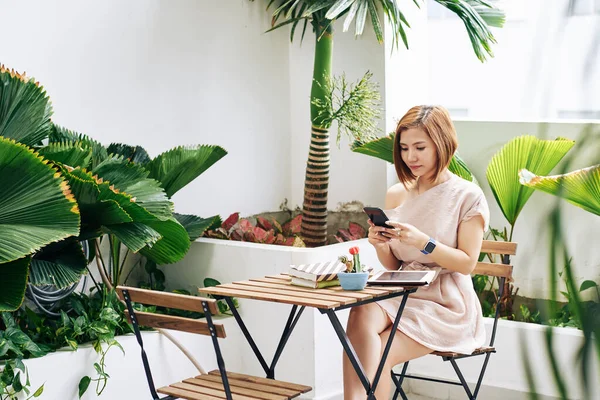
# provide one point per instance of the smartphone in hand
(377, 216)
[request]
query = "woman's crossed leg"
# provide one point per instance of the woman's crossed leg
(368, 329)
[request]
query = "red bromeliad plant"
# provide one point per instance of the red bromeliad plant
(265, 231)
(354, 232)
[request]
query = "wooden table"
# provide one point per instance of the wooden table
(277, 289)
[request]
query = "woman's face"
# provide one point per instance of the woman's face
(418, 152)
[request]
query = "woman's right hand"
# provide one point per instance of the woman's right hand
(379, 236)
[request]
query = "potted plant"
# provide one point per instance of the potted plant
(355, 277)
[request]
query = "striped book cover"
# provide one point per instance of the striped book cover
(318, 272)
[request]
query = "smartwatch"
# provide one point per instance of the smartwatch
(429, 246)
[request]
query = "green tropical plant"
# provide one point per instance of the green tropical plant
(124, 198)
(537, 155)
(580, 188)
(477, 15)
(583, 314)
(37, 207)
(71, 189)
(96, 318)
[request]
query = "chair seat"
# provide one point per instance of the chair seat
(243, 387)
(481, 350)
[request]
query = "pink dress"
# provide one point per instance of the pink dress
(446, 315)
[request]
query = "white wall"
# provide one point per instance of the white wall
(162, 74)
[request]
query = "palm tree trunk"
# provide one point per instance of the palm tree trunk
(314, 209)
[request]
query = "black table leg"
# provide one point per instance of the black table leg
(356, 364)
(295, 314)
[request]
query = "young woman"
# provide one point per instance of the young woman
(440, 220)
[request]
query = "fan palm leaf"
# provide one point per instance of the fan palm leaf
(580, 188)
(196, 226)
(133, 179)
(134, 235)
(73, 154)
(36, 204)
(162, 239)
(523, 152)
(60, 264)
(36, 209)
(173, 245)
(179, 166)
(62, 135)
(381, 147)
(135, 154)
(25, 109)
(13, 283)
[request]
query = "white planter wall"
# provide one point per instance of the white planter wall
(60, 372)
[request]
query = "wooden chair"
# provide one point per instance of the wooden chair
(215, 385)
(504, 272)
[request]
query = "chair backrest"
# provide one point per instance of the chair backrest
(171, 300)
(503, 271)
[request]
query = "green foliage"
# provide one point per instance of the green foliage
(97, 318)
(223, 307)
(477, 16)
(379, 147)
(528, 316)
(60, 264)
(580, 188)
(25, 109)
(567, 314)
(537, 155)
(196, 226)
(36, 209)
(585, 314)
(177, 167)
(355, 107)
(483, 286)
(60, 135)
(11, 384)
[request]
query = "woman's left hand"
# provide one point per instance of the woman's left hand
(409, 235)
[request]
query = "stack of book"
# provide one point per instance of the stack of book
(317, 275)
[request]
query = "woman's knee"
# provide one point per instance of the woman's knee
(369, 317)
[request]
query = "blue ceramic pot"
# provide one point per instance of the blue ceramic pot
(353, 281)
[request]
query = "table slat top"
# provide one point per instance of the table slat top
(278, 289)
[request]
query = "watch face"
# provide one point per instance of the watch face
(429, 247)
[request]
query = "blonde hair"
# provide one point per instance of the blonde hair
(436, 122)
